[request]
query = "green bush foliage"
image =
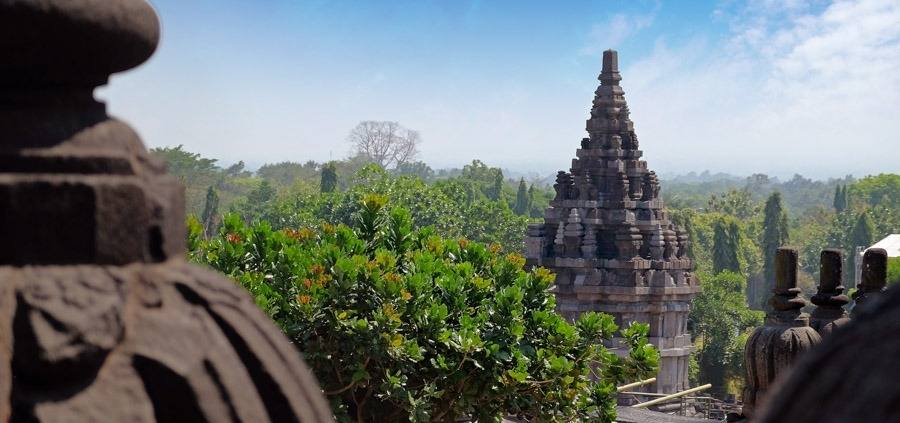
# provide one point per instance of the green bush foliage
(893, 270)
(402, 325)
(721, 321)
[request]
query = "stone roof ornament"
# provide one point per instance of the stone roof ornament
(873, 280)
(102, 320)
(829, 299)
(609, 74)
(775, 346)
(850, 377)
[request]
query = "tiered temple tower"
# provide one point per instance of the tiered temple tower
(609, 240)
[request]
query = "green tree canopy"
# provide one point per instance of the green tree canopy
(840, 198)
(863, 234)
(401, 325)
(522, 198)
(329, 180)
(721, 321)
(210, 211)
(726, 246)
(775, 235)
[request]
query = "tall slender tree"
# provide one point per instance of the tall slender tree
(726, 245)
(531, 193)
(495, 189)
(775, 234)
(521, 206)
(838, 199)
(210, 211)
(862, 235)
(329, 178)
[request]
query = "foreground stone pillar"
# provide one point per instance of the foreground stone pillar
(874, 278)
(829, 299)
(773, 348)
(101, 319)
(851, 377)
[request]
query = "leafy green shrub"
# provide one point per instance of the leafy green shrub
(893, 270)
(721, 322)
(452, 207)
(401, 325)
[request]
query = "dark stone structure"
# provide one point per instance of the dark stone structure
(829, 299)
(852, 375)
(874, 277)
(607, 237)
(773, 348)
(101, 319)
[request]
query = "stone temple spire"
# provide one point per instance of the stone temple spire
(101, 318)
(624, 257)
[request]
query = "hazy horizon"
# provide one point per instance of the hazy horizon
(742, 87)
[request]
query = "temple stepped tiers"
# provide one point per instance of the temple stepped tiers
(609, 240)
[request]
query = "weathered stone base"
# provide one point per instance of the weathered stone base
(166, 342)
(658, 297)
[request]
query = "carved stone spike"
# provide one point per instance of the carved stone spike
(829, 299)
(620, 187)
(657, 244)
(874, 278)
(650, 189)
(684, 242)
(635, 186)
(585, 188)
(774, 347)
(671, 244)
(573, 233)
(101, 319)
(562, 186)
(628, 241)
(559, 241)
(609, 75)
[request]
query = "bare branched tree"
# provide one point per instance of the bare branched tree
(386, 143)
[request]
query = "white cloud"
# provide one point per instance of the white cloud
(793, 88)
(614, 31)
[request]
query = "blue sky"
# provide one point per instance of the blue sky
(737, 86)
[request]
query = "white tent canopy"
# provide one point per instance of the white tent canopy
(891, 244)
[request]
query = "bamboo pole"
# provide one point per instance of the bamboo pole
(644, 394)
(673, 396)
(635, 384)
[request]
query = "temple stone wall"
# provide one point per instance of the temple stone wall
(609, 240)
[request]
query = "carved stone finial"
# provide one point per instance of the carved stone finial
(562, 186)
(102, 319)
(829, 299)
(874, 278)
(774, 347)
(610, 72)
